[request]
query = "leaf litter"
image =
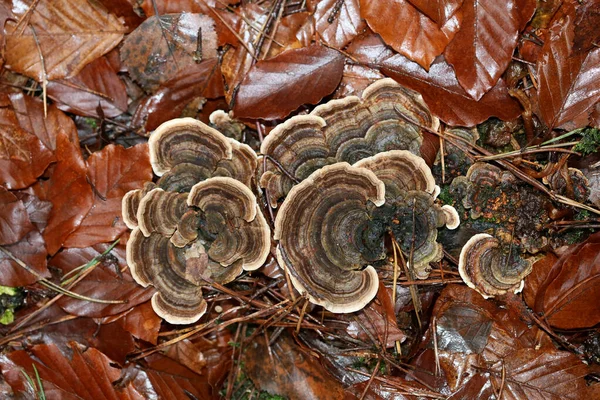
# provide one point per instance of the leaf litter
(84, 83)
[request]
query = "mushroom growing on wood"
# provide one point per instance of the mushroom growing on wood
(320, 230)
(490, 269)
(184, 151)
(183, 240)
(347, 129)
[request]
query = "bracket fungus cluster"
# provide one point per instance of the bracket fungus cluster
(347, 129)
(332, 226)
(200, 221)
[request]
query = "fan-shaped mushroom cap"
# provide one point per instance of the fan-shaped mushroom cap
(214, 232)
(319, 228)
(400, 171)
(185, 151)
(490, 270)
(131, 202)
(348, 129)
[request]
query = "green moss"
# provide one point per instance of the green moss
(7, 318)
(590, 141)
(445, 196)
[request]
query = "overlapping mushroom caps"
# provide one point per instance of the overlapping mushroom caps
(347, 129)
(492, 269)
(199, 222)
(332, 225)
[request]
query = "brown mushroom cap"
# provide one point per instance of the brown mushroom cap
(489, 269)
(400, 171)
(131, 202)
(348, 129)
(185, 151)
(319, 232)
(160, 211)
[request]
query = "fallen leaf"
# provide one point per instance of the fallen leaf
(32, 251)
(407, 31)
(337, 23)
(70, 34)
(106, 282)
(289, 372)
(30, 114)
(124, 10)
(273, 88)
(69, 192)
(163, 46)
(112, 172)
(38, 211)
(97, 85)
(569, 297)
(113, 341)
(569, 84)
(87, 375)
(587, 19)
(142, 322)
(14, 221)
(539, 273)
(186, 353)
(483, 47)
(446, 98)
(23, 157)
(439, 11)
(198, 80)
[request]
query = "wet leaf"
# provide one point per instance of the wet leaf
(87, 375)
(198, 80)
(446, 98)
(569, 297)
(124, 10)
(187, 354)
(70, 33)
(107, 281)
(569, 84)
(30, 114)
(142, 322)
(439, 11)
(163, 46)
(407, 31)
(97, 85)
(338, 22)
(587, 18)
(112, 172)
(69, 192)
(14, 221)
(483, 48)
(273, 88)
(32, 251)
(289, 372)
(539, 273)
(23, 157)
(38, 211)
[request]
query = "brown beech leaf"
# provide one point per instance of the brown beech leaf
(112, 172)
(407, 30)
(338, 23)
(163, 46)
(225, 21)
(86, 375)
(569, 84)
(537, 277)
(142, 322)
(30, 114)
(105, 282)
(273, 88)
(32, 251)
(569, 297)
(14, 221)
(23, 157)
(446, 98)
(38, 211)
(587, 19)
(290, 372)
(97, 85)
(439, 11)
(197, 80)
(482, 49)
(69, 192)
(124, 10)
(70, 34)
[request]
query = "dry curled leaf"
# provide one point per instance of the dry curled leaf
(96, 86)
(112, 172)
(569, 84)
(274, 88)
(69, 34)
(407, 30)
